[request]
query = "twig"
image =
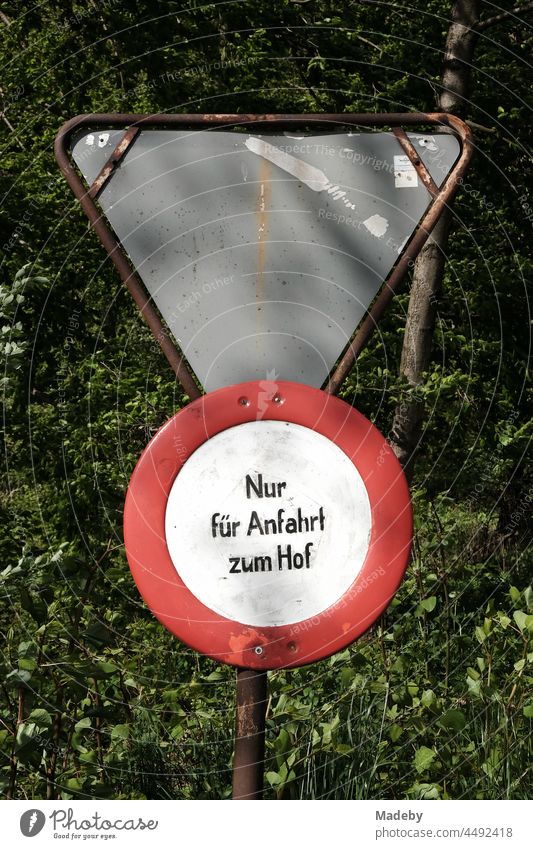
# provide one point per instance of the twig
(483, 129)
(498, 19)
(13, 770)
(11, 127)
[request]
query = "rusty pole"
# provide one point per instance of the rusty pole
(249, 752)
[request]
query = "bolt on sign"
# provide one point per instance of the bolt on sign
(268, 523)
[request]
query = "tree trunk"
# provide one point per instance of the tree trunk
(429, 267)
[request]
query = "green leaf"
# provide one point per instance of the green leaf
(274, 779)
(18, 678)
(28, 740)
(454, 719)
(474, 687)
(41, 718)
(428, 698)
(480, 634)
(528, 710)
(425, 791)
(520, 618)
(523, 620)
(120, 732)
(426, 605)
(27, 649)
(423, 759)
(395, 731)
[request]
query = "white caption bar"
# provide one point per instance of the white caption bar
(256, 825)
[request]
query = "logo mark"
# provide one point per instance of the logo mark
(32, 822)
(268, 389)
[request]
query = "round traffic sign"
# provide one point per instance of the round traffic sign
(268, 524)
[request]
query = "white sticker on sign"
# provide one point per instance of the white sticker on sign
(405, 176)
(268, 523)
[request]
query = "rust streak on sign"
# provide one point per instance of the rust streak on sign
(262, 225)
(113, 162)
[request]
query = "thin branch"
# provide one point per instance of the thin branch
(11, 127)
(497, 19)
(481, 127)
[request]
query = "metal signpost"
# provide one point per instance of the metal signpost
(267, 524)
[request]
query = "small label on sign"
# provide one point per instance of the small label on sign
(405, 176)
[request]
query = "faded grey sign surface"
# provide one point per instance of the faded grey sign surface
(263, 251)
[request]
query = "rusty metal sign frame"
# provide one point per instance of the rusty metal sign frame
(133, 123)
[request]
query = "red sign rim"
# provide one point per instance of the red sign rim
(281, 646)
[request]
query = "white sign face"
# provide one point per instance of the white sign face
(268, 523)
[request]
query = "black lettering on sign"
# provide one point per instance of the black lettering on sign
(222, 526)
(298, 524)
(287, 557)
(235, 561)
(263, 490)
(250, 564)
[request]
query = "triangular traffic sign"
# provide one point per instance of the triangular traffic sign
(261, 248)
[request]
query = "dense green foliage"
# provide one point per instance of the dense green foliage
(97, 700)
